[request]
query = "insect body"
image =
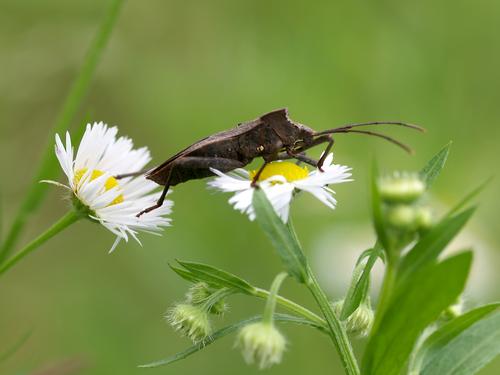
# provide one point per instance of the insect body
(273, 136)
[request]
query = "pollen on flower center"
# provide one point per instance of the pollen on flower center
(290, 171)
(110, 183)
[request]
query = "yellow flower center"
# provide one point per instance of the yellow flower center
(110, 183)
(290, 171)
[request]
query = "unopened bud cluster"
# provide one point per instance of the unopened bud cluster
(191, 318)
(199, 293)
(360, 321)
(401, 193)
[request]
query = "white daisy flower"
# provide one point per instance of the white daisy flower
(113, 203)
(280, 180)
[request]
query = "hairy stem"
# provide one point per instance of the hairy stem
(337, 331)
(267, 317)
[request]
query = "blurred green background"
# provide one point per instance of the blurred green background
(175, 72)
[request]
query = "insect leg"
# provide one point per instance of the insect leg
(132, 174)
(160, 200)
(257, 175)
(325, 153)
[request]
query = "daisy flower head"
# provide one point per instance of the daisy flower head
(280, 180)
(112, 202)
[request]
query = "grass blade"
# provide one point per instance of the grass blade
(15, 347)
(48, 168)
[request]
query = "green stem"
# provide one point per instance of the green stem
(293, 307)
(267, 317)
(385, 293)
(68, 219)
(47, 169)
(337, 331)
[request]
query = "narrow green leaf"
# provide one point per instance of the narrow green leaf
(283, 240)
(360, 282)
(428, 248)
(431, 352)
(474, 193)
(47, 168)
(417, 303)
(433, 168)
(226, 331)
(186, 275)
(215, 275)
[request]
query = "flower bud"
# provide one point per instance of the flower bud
(200, 292)
(402, 217)
(191, 321)
(360, 321)
(423, 218)
(261, 343)
(401, 188)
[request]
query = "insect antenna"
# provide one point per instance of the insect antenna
(349, 128)
(380, 135)
(372, 123)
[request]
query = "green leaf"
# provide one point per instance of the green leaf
(217, 276)
(467, 353)
(440, 350)
(433, 168)
(469, 197)
(186, 275)
(360, 282)
(428, 248)
(47, 167)
(418, 302)
(226, 331)
(282, 238)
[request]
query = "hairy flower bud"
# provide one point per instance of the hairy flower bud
(191, 321)
(200, 292)
(261, 343)
(401, 188)
(360, 321)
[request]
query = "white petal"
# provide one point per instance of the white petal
(101, 150)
